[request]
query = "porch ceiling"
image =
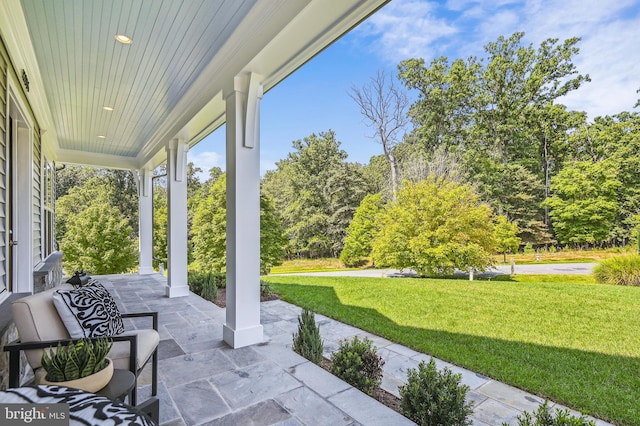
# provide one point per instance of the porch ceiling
(169, 82)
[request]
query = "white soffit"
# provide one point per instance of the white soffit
(168, 83)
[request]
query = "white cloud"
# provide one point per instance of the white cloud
(407, 29)
(206, 161)
(460, 28)
(608, 49)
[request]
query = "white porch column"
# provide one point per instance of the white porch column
(242, 327)
(145, 221)
(177, 232)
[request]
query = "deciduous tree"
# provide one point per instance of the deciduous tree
(210, 232)
(435, 227)
(506, 236)
(98, 240)
(317, 192)
(500, 114)
(361, 231)
(584, 202)
(384, 104)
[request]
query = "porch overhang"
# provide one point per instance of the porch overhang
(75, 67)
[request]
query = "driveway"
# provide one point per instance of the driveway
(543, 268)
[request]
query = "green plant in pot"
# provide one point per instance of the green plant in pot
(83, 365)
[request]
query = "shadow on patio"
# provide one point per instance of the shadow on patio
(203, 381)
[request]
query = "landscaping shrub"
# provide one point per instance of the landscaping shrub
(307, 341)
(203, 284)
(219, 279)
(620, 270)
(543, 417)
(433, 397)
(357, 363)
(265, 289)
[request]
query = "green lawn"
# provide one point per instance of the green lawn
(309, 265)
(577, 344)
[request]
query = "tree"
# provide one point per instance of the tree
(514, 191)
(584, 202)
(69, 176)
(384, 106)
(617, 139)
(344, 191)
(441, 164)
(210, 231)
(98, 240)
(500, 115)
(316, 191)
(160, 224)
(377, 175)
(435, 227)
(447, 100)
(517, 81)
(506, 236)
(120, 188)
(361, 231)
(273, 240)
(76, 200)
(123, 194)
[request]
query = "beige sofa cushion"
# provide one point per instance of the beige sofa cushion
(148, 340)
(37, 320)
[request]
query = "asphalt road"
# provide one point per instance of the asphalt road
(543, 268)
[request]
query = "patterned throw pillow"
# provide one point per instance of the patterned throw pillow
(88, 311)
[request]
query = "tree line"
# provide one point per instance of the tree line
(492, 161)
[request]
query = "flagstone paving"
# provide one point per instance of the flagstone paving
(202, 381)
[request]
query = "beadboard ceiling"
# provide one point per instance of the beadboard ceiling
(169, 81)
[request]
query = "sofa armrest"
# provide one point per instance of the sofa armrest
(154, 316)
(14, 348)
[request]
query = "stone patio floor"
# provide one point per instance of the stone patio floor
(202, 381)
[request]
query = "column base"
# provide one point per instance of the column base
(146, 270)
(244, 337)
(179, 291)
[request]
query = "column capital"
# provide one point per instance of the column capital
(248, 91)
(241, 84)
(144, 181)
(177, 151)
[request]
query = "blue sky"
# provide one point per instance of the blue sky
(315, 98)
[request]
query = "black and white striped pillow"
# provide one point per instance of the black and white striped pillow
(84, 408)
(88, 311)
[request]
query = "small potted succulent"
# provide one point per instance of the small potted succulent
(83, 365)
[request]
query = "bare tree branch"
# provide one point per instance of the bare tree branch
(384, 106)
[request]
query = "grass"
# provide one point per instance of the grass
(309, 265)
(548, 278)
(563, 256)
(577, 344)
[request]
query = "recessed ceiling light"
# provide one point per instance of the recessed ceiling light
(107, 108)
(102, 137)
(124, 39)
